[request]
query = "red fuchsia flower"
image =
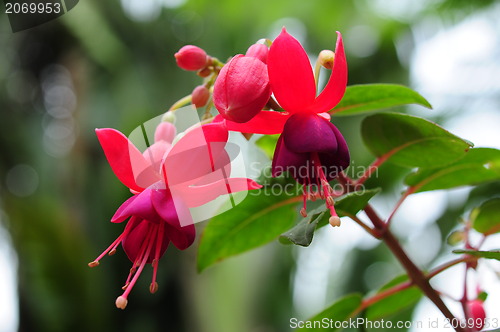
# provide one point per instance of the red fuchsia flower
(242, 88)
(259, 51)
(158, 212)
(310, 147)
(477, 313)
(191, 57)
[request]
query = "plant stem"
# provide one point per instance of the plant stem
(416, 275)
(408, 192)
(181, 102)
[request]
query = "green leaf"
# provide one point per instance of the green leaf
(493, 254)
(365, 98)
(347, 205)
(259, 219)
(340, 311)
(302, 234)
(395, 302)
(268, 143)
(410, 141)
(478, 166)
(486, 218)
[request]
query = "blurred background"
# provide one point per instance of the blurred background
(111, 64)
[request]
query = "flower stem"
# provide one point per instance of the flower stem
(180, 103)
(417, 277)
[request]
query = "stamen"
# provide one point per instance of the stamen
(93, 264)
(159, 240)
(144, 255)
(112, 252)
(334, 221)
(153, 287)
(303, 212)
(121, 302)
(330, 201)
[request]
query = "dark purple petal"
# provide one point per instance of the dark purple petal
(285, 160)
(306, 132)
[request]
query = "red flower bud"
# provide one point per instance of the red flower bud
(258, 51)
(242, 88)
(200, 96)
(476, 311)
(191, 57)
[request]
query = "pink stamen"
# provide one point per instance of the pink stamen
(110, 249)
(121, 301)
(159, 240)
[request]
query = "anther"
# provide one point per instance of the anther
(334, 221)
(112, 252)
(125, 286)
(121, 302)
(303, 212)
(153, 287)
(330, 201)
(93, 264)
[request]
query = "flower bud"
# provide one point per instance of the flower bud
(168, 117)
(326, 58)
(191, 57)
(258, 51)
(477, 313)
(200, 96)
(242, 88)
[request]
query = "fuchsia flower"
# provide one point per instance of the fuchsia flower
(477, 313)
(242, 87)
(310, 146)
(191, 57)
(166, 181)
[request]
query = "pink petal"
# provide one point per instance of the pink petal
(266, 122)
(198, 153)
(125, 160)
(290, 74)
(156, 153)
(335, 88)
(119, 216)
(141, 206)
(165, 132)
(195, 196)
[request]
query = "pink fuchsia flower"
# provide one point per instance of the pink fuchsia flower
(310, 147)
(242, 88)
(476, 311)
(156, 215)
(259, 51)
(191, 57)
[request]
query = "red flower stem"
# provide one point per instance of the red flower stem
(370, 170)
(408, 192)
(415, 274)
(367, 228)
(464, 298)
(405, 285)
(384, 294)
(447, 265)
(417, 277)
